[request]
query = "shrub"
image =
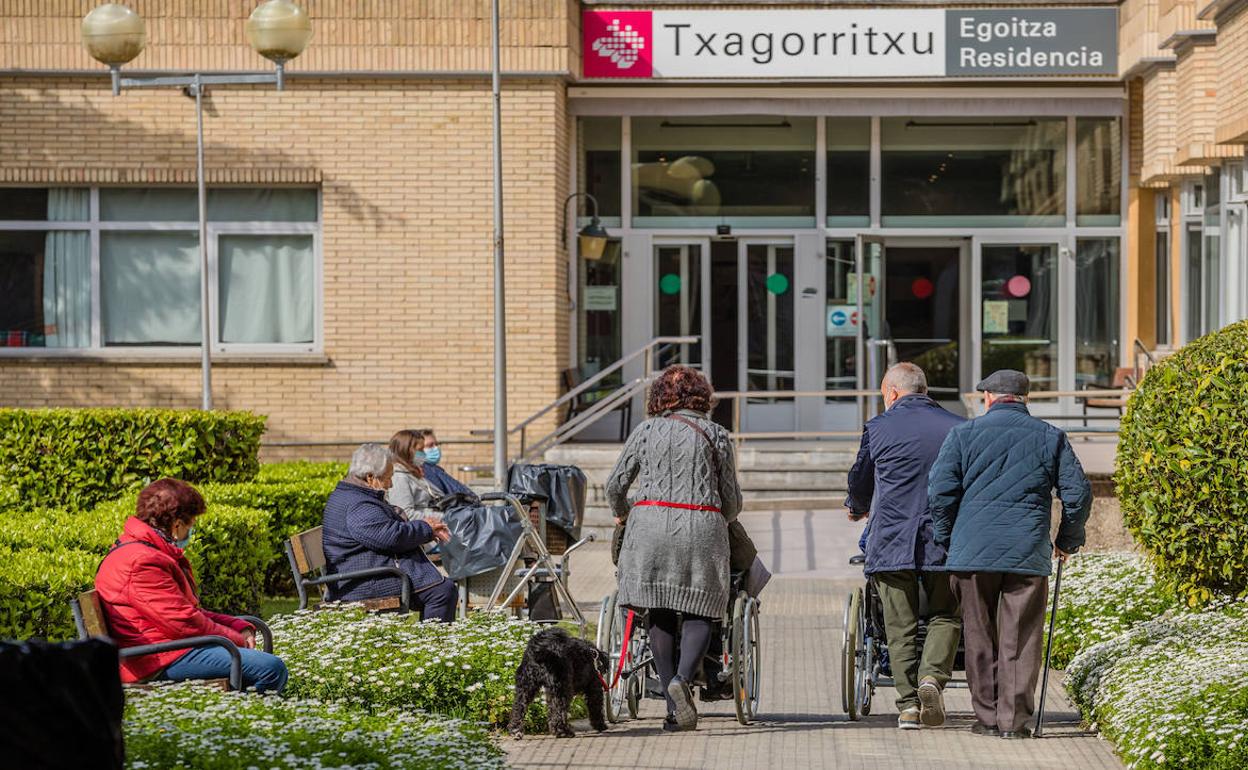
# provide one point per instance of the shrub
(35, 589)
(199, 728)
(56, 554)
(1103, 595)
(292, 506)
(465, 669)
(1171, 692)
(75, 458)
(1181, 475)
(299, 470)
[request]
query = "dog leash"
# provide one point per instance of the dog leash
(628, 635)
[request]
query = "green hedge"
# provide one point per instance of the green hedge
(299, 470)
(193, 727)
(76, 458)
(55, 555)
(1181, 474)
(293, 507)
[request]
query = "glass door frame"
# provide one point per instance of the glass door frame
(1064, 245)
(704, 295)
(782, 410)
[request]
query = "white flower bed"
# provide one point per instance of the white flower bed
(1173, 691)
(1103, 595)
(463, 669)
(192, 727)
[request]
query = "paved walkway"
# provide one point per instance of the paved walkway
(801, 724)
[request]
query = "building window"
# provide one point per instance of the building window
(1097, 346)
(1098, 180)
(599, 319)
(973, 172)
(1161, 277)
(599, 172)
(702, 171)
(849, 172)
(145, 270)
(1194, 285)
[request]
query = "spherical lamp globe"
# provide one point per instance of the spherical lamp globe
(113, 34)
(279, 30)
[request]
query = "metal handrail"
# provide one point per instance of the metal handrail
(1138, 347)
(574, 426)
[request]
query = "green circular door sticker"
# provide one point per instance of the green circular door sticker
(777, 283)
(670, 284)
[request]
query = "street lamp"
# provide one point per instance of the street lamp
(592, 239)
(114, 35)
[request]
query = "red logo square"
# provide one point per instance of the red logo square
(616, 44)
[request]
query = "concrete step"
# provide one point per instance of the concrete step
(815, 477)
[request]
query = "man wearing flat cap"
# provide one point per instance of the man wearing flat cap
(990, 492)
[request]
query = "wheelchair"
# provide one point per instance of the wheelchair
(864, 649)
(632, 675)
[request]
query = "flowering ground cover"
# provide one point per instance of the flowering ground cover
(1103, 595)
(370, 660)
(1168, 685)
(191, 727)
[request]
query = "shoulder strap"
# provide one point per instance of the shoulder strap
(706, 436)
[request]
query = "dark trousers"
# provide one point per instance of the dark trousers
(1003, 623)
(899, 598)
(437, 602)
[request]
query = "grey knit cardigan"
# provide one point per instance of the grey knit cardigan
(673, 558)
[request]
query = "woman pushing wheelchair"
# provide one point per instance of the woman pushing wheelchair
(674, 556)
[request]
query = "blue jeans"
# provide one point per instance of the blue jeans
(261, 670)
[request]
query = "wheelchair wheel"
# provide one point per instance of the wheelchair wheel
(866, 686)
(611, 641)
(746, 658)
(851, 640)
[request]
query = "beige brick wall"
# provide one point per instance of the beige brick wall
(1137, 32)
(1233, 73)
(1158, 119)
(1196, 87)
(354, 35)
(405, 169)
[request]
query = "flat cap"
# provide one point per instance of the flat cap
(1008, 381)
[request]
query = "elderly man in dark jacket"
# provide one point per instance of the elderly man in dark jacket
(898, 448)
(990, 493)
(363, 531)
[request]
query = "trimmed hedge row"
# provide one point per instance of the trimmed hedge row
(1181, 475)
(299, 470)
(292, 506)
(48, 557)
(76, 458)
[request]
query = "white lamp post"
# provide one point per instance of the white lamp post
(113, 34)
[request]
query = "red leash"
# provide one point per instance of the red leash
(628, 636)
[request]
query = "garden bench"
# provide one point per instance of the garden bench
(91, 621)
(307, 557)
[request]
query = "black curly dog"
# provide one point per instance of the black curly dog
(564, 666)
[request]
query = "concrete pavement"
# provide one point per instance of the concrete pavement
(800, 723)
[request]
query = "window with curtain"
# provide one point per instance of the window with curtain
(45, 272)
(1097, 291)
(147, 265)
(967, 172)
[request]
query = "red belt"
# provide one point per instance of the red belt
(682, 506)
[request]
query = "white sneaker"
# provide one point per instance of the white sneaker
(908, 719)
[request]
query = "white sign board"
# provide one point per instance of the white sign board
(600, 298)
(842, 320)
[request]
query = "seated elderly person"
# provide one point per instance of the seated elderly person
(148, 593)
(363, 531)
(433, 470)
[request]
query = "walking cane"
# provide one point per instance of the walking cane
(1048, 652)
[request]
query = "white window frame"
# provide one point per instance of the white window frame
(94, 226)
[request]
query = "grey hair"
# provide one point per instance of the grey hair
(370, 460)
(906, 377)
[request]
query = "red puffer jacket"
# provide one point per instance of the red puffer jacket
(148, 593)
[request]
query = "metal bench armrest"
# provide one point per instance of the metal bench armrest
(262, 629)
(405, 583)
(190, 643)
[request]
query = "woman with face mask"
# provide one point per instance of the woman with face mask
(433, 468)
(411, 489)
(148, 593)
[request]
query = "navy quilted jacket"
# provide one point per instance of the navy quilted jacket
(991, 488)
(362, 531)
(898, 449)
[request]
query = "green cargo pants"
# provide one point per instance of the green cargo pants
(899, 595)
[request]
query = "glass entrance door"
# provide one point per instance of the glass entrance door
(679, 299)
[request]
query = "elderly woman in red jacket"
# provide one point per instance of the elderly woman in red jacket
(148, 592)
